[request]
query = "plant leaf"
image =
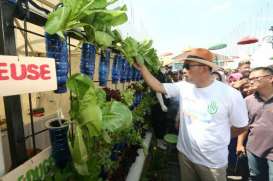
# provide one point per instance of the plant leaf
(57, 20)
(111, 17)
(79, 152)
(116, 116)
(79, 84)
(103, 39)
(92, 115)
(99, 4)
(109, 2)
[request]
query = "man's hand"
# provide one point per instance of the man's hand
(151, 81)
(138, 66)
(238, 84)
(240, 149)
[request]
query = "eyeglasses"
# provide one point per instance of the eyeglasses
(258, 78)
(188, 66)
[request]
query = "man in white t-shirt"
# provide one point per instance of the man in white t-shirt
(210, 111)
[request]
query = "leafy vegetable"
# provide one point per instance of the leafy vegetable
(116, 116)
(142, 52)
(102, 22)
(128, 96)
(97, 121)
(91, 15)
(79, 152)
(68, 16)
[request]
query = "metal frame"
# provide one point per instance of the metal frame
(12, 104)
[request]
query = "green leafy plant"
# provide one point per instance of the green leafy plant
(142, 52)
(96, 123)
(92, 16)
(128, 96)
(67, 16)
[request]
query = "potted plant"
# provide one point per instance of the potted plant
(58, 129)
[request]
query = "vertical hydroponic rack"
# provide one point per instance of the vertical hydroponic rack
(117, 72)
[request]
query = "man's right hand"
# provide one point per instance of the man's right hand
(150, 80)
(138, 66)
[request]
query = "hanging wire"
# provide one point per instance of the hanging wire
(29, 95)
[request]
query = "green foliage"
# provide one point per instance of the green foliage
(116, 117)
(98, 20)
(141, 52)
(79, 152)
(102, 22)
(68, 16)
(91, 15)
(103, 38)
(128, 96)
(97, 122)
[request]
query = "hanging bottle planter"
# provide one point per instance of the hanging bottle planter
(123, 70)
(104, 67)
(116, 68)
(58, 137)
(88, 58)
(129, 73)
(134, 74)
(138, 76)
(57, 48)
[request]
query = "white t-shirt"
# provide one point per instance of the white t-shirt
(206, 115)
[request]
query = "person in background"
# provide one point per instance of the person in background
(185, 76)
(244, 68)
(242, 84)
(227, 72)
(239, 81)
(175, 76)
(210, 111)
(219, 75)
(259, 146)
(233, 78)
(181, 75)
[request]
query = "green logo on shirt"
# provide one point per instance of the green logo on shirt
(212, 107)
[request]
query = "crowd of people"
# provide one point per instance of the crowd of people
(223, 115)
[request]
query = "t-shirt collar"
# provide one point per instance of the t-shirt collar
(258, 97)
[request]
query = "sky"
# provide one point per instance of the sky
(175, 25)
